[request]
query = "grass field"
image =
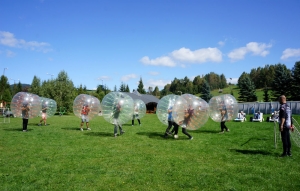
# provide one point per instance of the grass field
(60, 157)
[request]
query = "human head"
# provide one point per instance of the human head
(282, 99)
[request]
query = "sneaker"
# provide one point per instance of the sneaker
(140, 124)
(46, 124)
(122, 132)
(131, 125)
(221, 132)
(191, 138)
(88, 129)
(115, 135)
(81, 129)
(169, 133)
(227, 130)
(39, 124)
(289, 154)
(24, 130)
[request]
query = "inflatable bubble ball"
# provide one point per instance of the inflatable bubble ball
(223, 103)
(117, 105)
(83, 102)
(25, 99)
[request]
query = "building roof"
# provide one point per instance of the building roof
(144, 97)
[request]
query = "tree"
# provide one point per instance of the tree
(282, 82)
(266, 94)
(141, 87)
(4, 85)
(205, 93)
(198, 82)
(295, 93)
(156, 91)
(247, 89)
(35, 87)
(122, 87)
(64, 91)
(150, 90)
(127, 88)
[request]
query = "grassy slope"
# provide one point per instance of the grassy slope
(60, 157)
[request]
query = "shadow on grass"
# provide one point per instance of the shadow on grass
(252, 152)
(71, 128)
(16, 129)
(157, 135)
(256, 139)
(99, 134)
(205, 131)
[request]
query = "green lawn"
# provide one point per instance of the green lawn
(60, 157)
(235, 90)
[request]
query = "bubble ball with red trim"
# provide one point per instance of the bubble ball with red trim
(86, 105)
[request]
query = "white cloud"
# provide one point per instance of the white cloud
(197, 56)
(104, 78)
(8, 39)
(257, 49)
(10, 53)
(289, 52)
(159, 83)
(160, 61)
(128, 77)
(185, 55)
(153, 73)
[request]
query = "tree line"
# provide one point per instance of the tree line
(275, 80)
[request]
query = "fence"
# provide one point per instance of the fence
(268, 107)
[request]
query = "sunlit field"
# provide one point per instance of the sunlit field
(61, 157)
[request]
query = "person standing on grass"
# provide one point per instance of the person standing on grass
(188, 113)
(84, 116)
(25, 115)
(118, 109)
(136, 114)
(285, 125)
(44, 115)
(223, 120)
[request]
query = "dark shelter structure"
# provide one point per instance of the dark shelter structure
(149, 100)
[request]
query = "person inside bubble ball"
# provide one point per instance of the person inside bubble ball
(117, 111)
(25, 115)
(170, 123)
(84, 116)
(135, 114)
(223, 120)
(188, 113)
(44, 114)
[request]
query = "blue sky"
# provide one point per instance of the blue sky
(114, 41)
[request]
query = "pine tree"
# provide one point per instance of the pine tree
(282, 82)
(266, 94)
(141, 89)
(247, 90)
(127, 88)
(205, 93)
(295, 87)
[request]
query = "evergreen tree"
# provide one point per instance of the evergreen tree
(141, 89)
(205, 93)
(35, 87)
(127, 88)
(247, 89)
(122, 87)
(266, 94)
(282, 82)
(156, 91)
(295, 87)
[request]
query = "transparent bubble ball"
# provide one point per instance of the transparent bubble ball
(164, 104)
(223, 102)
(139, 109)
(86, 100)
(110, 104)
(50, 105)
(22, 99)
(190, 112)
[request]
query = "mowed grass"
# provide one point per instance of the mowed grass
(60, 157)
